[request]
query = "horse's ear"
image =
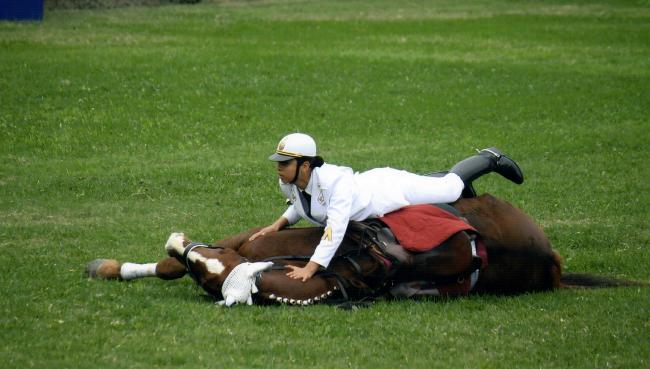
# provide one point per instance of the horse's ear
(230, 301)
(254, 268)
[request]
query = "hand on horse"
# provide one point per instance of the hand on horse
(276, 226)
(303, 273)
(263, 232)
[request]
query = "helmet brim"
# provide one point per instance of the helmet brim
(280, 157)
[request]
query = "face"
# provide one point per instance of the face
(287, 170)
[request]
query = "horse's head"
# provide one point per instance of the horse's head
(208, 266)
(222, 272)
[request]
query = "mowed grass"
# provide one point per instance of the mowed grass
(121, 126)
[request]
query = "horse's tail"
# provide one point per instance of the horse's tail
(579, 280)
(583, 280)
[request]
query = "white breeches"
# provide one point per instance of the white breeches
(392, 189)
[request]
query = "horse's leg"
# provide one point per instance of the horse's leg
(167, 268)
(170, 268)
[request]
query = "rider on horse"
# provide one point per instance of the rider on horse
(330, 196)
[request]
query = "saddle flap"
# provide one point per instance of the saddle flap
(389, 245)
(421, 228)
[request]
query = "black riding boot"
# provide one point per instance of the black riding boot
(486, 161)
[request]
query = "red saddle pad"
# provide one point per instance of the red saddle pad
(422, 227)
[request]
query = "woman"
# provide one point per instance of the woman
(330, 196)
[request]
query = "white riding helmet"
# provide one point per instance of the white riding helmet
(293, 146)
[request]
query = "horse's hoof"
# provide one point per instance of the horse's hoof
(103, 269)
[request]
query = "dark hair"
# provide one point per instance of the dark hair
(314, 161)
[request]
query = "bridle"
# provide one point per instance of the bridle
(189, 248)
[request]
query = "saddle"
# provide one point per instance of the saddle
(377, 237)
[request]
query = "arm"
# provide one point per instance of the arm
(289, 217)
(338, 216)
(279, 224)
(303, 273)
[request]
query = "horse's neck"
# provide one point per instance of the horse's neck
(290, 242)
(275, 284)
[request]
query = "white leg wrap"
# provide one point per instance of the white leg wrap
(130, 271)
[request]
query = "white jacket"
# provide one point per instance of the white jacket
(338, 195)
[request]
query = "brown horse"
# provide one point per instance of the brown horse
(519, 258)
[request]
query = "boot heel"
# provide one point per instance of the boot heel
(505, 166)
(509, 169)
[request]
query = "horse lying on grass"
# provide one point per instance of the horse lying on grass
(507, 254)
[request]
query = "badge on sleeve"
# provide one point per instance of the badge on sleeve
(327, 235)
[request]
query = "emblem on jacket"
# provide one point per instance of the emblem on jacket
(321, 198)
(327, 235)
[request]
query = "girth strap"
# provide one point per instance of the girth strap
(471, 270)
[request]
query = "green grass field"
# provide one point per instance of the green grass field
(121, 126)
